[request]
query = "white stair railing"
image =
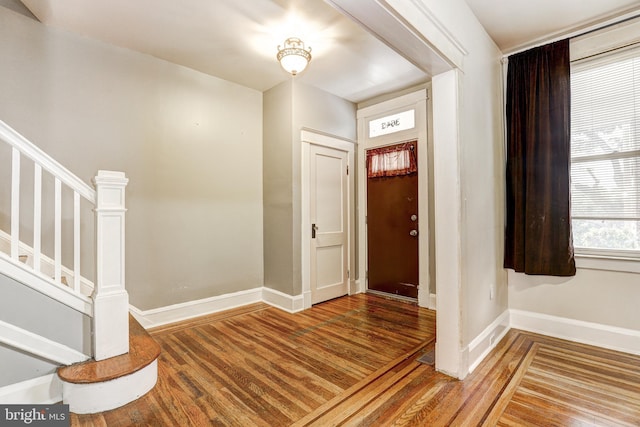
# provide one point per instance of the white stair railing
(108, 302)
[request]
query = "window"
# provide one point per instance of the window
(393, 123)
(605, 154)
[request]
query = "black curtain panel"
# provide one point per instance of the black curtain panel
(538, 224)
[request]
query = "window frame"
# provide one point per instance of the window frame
(600, 258)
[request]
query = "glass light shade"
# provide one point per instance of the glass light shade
(293, 63)
(293, 56)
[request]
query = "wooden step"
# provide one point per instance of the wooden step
(143, 350)
(91, 387)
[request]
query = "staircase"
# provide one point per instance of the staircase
(54, 232)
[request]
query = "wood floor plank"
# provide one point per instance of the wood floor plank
(395, 395)
(352, 362)
(321, 414)
(475, 398)
(511, 388)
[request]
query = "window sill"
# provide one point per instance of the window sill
(607, 263)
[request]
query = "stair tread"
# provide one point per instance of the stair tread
(143, 350)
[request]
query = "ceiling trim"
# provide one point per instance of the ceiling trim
(434, 32)
(386, 23)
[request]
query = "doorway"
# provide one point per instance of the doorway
(392, 220)
(329, 223)
(384, 126)
(328, 205)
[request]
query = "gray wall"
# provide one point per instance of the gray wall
(190, 144)
(47, 318)
(288, 108)
(17, 6)
(278, 188)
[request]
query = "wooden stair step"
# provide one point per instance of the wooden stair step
(143, 350)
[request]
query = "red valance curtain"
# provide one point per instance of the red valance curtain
(396, 160)
(538, 223)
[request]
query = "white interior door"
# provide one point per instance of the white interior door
(329, 223)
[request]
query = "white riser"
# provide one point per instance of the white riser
(99, 397)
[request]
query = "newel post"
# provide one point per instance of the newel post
(111, 301)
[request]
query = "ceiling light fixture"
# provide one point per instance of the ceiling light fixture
(293, 56)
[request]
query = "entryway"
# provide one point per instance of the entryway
(393, 199)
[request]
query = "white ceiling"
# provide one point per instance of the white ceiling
(517, 24)
(237, 40)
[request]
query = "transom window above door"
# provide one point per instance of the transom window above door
(393, 123)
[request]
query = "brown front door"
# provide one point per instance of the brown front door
(392, 232)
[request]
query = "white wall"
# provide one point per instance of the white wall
(482, 182)
(604, 297)
(190, 144)
(481, 168)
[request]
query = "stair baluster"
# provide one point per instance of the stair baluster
(108, 303)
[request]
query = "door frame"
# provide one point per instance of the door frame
(417, 100)
(310, 137)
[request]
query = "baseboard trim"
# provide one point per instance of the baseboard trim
(289, 303)
(432, 302)
(307, 302)
(38, 391)
(188, 310)
(488, 339)
(610, 337)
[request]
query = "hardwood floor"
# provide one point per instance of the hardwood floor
(353, 362)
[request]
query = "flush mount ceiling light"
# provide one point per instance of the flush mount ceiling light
(293, 56)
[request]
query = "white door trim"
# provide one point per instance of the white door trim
(309, 137)
(418, 101)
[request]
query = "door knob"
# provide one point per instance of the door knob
(413, 233)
